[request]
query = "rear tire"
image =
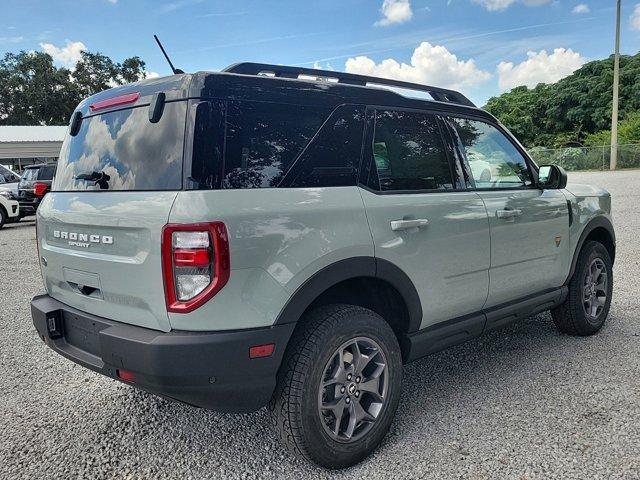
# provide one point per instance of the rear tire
(587, 305)
(3, 217)
(312, 388)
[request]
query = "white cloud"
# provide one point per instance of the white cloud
(635, 18)
(177, 4)
(16, 39)
(68, 55)
(394, 11)
(112, 1)
(498, 5)
(581, 8)
(151, 74)
(430, 64)
(539, 67)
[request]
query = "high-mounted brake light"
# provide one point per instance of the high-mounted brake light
(195, 264)
(114, 101)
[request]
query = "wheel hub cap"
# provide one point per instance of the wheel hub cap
(353, 389)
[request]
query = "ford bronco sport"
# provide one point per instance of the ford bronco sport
(291, 237)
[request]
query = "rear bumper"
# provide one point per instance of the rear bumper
(206, 369)
(28, 208)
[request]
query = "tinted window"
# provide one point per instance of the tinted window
(208, 143)
(332, 159)
(30, 174)
(47, 172)
(263, 139)
(123, 150)
(491, 160)
(409, 153)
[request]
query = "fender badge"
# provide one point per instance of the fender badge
(558, 239)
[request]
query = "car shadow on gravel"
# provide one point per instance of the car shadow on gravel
(21, 224)
(436, 389)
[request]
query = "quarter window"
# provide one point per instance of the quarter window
(491, 160)
(263, 139)
(333, 156)
(409, 153)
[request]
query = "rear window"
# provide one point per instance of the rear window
(30, 174)
(123, 150)
(47, 172)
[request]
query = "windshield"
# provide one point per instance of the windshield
(123, 150)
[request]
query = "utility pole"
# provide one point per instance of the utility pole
(616, 80)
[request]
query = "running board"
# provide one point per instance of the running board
(453, 332)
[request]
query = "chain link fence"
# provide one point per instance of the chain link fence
(587, 158)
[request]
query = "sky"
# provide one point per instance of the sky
(481, 47)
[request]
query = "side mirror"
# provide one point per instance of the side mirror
(552, 177)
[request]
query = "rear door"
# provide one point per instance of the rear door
(438, 236)
(529, 226)
(100, 227)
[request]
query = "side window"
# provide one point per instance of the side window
(409, 153)
(263, 139)
(491, 160)
(332, 159)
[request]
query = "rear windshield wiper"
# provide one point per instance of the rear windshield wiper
(98, 178)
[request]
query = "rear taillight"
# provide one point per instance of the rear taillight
(39, 189)
(195, 264)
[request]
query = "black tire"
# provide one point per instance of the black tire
(295, 403)
(3, 217)
(571, 317)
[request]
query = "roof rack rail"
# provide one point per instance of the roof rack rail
(280, 71)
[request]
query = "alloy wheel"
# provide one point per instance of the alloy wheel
(594, 289)
(353, 390)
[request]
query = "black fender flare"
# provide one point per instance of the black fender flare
(597, 222)
(347, 269)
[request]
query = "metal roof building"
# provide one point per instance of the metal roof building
(26, 145)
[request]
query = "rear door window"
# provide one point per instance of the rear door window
(123, 150)
(409, 152)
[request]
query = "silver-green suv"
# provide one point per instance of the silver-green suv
(290, 237)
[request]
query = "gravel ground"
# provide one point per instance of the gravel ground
(521, 403)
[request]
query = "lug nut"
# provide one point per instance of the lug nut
(349, 377)
(342, 389)
(358, 379)
(348, 400)
(357, 394)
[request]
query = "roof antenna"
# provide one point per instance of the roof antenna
(173, 69)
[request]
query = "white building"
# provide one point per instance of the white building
(26, 145)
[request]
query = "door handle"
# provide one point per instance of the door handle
(397, 225)
(508, 213)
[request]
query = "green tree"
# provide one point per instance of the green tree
(33, 91)
(566, 112)
(628, 132)
(96, 72)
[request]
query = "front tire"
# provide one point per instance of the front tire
(587, 305)
(339, 386)
(3, 217)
